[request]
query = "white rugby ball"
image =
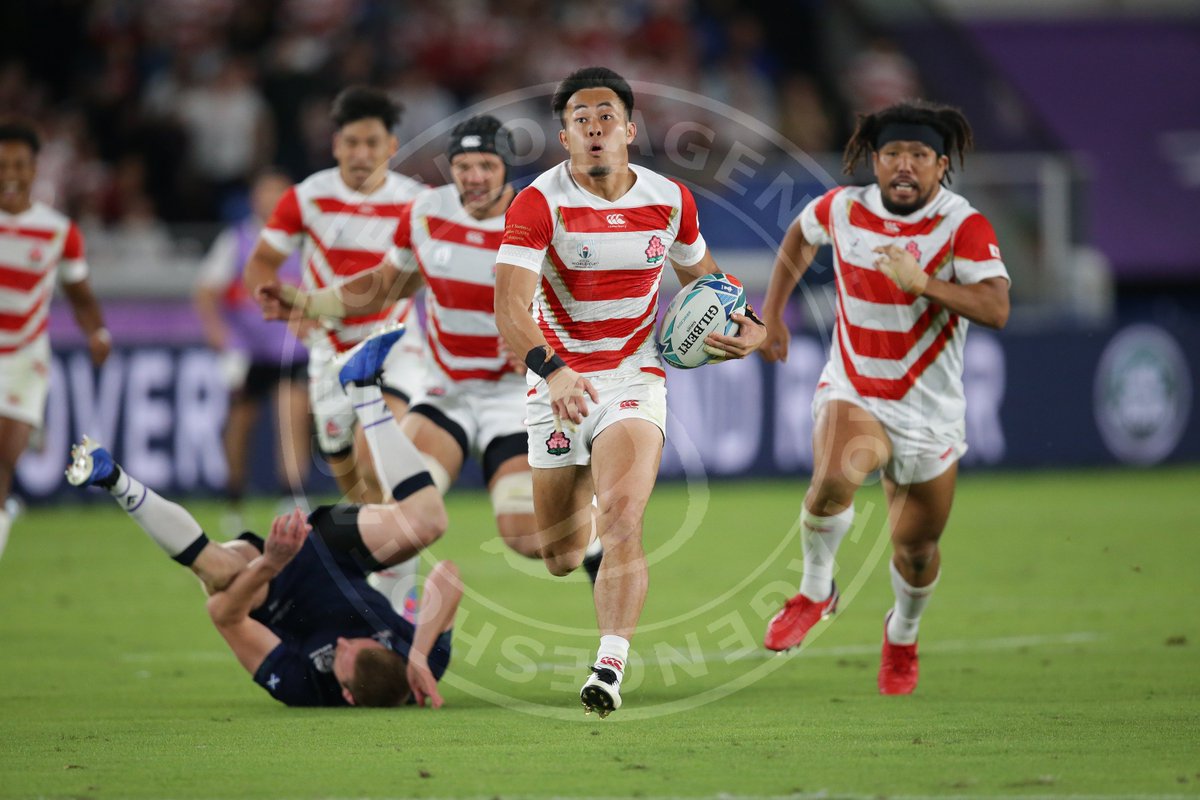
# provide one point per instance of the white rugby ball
(702, 307)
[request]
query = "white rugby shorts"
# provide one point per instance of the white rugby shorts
(484, 410)
(25, 382)
(643, 396)
(919, 453)
(333, 413)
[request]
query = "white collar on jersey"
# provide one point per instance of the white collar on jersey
(637, 181)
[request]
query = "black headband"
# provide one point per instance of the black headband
(911, 132)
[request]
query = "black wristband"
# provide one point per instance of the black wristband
(749, 312)
(543, 360)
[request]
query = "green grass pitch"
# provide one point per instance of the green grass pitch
(1060, 658)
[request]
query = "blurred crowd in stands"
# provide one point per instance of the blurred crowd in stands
(162, 111)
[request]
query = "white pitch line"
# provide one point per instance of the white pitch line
(947, 646)
(832, 795)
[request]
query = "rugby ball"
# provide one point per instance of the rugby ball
(702, 307)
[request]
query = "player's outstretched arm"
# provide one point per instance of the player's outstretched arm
(89, 319)
(791, 262)
(263, 266)
(250, 640)
(514, 296)
(439, 604)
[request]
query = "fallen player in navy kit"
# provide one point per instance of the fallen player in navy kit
(297, 610)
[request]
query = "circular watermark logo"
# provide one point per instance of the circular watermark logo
(1142, 395)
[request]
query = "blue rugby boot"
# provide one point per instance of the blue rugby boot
(363, 364)
(92, 465)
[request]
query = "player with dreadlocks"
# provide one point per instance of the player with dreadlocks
(914, 263)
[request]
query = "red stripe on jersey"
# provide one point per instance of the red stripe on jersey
(331, 205)
(29, 233)
(461, 295)
(870, 284)
(617, 328)
(862, 217)
(466, 374)
(73, 245)
(20, 279)
(598, 360)
(689, 219)
(655, 371)
(26, 340)
(874, 343)
(896, 388)
(824, 205)
(11, 323)
(466, 345)
(443, 230)
(343, 262)
(618, 220)
(605, 284)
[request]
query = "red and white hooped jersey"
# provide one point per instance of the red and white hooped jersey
(903, 353)
(34, 246)
(343, 233)
(601, 263)
(456, 255)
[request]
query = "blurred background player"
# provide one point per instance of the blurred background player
(345, 218)
(914, 262)
(298, 612)
(589, 238)
(37, 245)
(260, 359)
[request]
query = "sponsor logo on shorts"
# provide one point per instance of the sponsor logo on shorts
(655, 251)
(626, 404)
(558, 444)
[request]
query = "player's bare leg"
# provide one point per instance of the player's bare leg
(625, 459)
(562, 500)
(14, 438)
(849, 444)
(511, 488)
(918, 514)
(239, 423)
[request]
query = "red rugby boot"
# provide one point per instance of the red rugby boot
(897, 665)
(788, 628)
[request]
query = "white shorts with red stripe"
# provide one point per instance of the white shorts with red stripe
(25, 382)
(333, 413)
(920, 453)
(622, 397)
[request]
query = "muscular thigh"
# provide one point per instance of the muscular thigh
(849, 443)
(625, 459)
(562, 498)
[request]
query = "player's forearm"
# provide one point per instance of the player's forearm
(514, 295)
(439, 603)
(794, 257)
(262, 267)
(985, 303)
(237, 600)
(84, 306)
(376, 289)
(208, 311)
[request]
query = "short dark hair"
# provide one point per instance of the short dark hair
(20, 131)
(591, 78)
(364, 102)
(948, 121)
(380, 678)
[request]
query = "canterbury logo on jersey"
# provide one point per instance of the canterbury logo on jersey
(615, 220)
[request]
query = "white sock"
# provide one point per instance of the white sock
(5, 527)
(820, 537)
(397, 462)
(398, 583)
(613, 653)
(910, 602)
(170, 526)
